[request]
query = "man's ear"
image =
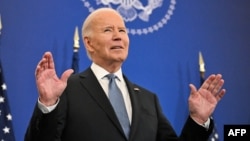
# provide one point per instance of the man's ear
(88, 44)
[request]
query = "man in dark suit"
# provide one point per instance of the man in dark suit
(78, 107)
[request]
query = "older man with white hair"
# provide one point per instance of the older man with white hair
(101, 104)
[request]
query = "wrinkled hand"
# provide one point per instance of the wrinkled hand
(49, 86)
(203, 102)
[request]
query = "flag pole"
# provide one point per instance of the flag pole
(202, 67)
(76, 46)
(1, 26)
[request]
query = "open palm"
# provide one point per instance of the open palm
(50, 87)
(203, 101)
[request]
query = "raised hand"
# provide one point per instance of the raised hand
(49, 86)
(203, 101)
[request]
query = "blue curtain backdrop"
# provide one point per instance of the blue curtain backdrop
(163, 51)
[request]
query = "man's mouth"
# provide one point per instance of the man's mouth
(116, 47)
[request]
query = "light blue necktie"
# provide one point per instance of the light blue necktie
(116, 99)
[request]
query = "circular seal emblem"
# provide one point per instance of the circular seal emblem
(141, 16)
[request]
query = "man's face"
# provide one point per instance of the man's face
(108, 42)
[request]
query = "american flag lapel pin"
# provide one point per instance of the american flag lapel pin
(136, 89)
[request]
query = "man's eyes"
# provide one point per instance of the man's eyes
(107, 30)
(110, 30)
(122, 30)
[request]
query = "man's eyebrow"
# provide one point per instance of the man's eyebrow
(112, 26)
(122, 27)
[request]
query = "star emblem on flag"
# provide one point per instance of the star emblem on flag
(6, 128)
(4, 87)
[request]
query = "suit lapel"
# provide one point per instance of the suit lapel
(90, 82)
(135, 103)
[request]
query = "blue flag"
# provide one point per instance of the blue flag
(75, 62)
(6, 128)
(214, 136)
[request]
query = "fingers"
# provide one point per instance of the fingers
(208, 81)
(220, 94)
(39, 68)
(217, 86)
(193, 89)
(66, 75)
(46, 62)
(50, 61)
(214, 84)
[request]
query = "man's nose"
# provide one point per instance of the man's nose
(116, 35)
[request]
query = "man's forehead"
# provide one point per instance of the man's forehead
(103, 26)
(109, 23)
(106, 18)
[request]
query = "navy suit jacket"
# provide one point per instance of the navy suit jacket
(84, 113)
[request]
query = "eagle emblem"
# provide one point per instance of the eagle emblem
(140, 11)
(132, 9)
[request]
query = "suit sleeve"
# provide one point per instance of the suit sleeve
(191, 130)
(47, 127)
(165, 130)
(194, 132)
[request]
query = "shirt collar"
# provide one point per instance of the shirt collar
(101, 72)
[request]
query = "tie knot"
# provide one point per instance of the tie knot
(111, 76)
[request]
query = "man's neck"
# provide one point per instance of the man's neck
(111, 68)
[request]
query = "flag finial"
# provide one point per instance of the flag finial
(1, 26)
(201, 63)
(76, 39)
(202, 66)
